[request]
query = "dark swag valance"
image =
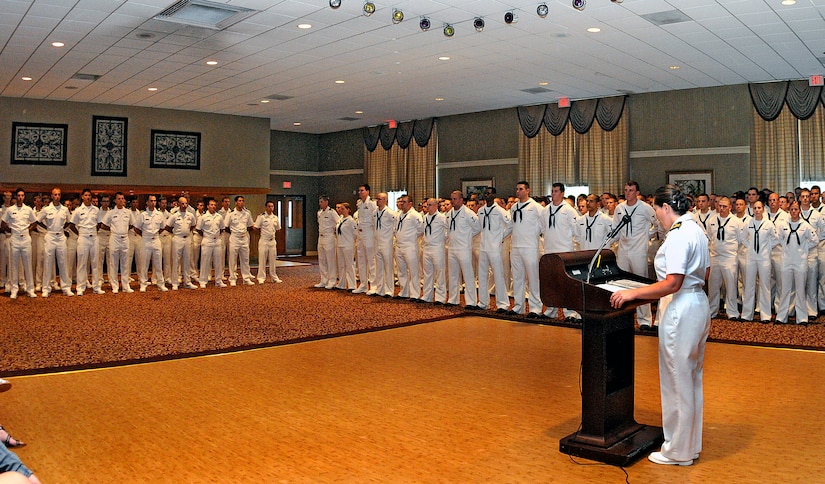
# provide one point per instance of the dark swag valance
(420, 129)
(607, 111)
(768, 98)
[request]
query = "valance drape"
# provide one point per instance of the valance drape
(607, 111)
(802, 99)
(420, 130)
(371, 134)
(404, 134)
(768, 98)
(530, 118)
(555, 119)
(582, 114)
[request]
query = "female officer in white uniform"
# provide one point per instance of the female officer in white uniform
(682, 265)
(758, 238)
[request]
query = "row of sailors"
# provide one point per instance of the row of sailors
(769, 259)
(120, 234)
(441, 246)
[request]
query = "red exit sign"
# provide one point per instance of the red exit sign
(816, 80)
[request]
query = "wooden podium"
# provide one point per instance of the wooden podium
(608, 430)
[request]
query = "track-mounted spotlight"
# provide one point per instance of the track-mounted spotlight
(334, 3)
(449, 30)
(397, 16)
(478, 24)
(369, 8)
(542, 10)
(511, 17)
(424, 24)
(579, 4)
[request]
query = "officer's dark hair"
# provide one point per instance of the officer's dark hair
(559, 185)
(673, 196)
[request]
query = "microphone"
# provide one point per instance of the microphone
(610, 235)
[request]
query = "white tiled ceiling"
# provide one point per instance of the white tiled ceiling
(392, 71)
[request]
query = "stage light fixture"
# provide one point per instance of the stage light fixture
(478, 24)
(449, 30)
(334, 3)
(579, 4)
(369, 8)
(511, 17)
(397, 16)
(424, 24)
(542, 10)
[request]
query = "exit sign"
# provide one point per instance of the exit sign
(816, 80)
(287, 184)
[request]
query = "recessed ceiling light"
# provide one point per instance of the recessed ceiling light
(153, 89)
(264, 101)
(543, 83)
(674, 68)
(26, 78)
(296, 124)
(594, 30)
(304, 26)
(788, 2)
(444, 58)
(211, 63)
(439, 99)
(58, 44)
(340, 81)
(359, 112)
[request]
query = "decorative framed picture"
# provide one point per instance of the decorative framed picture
(176, 149)
(38, 143)
(476, 186)
(109, 146)
(692, 182)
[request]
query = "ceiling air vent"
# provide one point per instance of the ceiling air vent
(667, 17)
(203, 13)
(536, 90)
(85, 77)
(348, 118)
(278, 97)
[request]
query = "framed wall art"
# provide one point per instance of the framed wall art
(38, 143)
(109, 137)
(176, 149)
(692, 182)
(477, 186)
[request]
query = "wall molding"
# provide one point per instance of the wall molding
(354, 171)
(721, 150)
(476, 163)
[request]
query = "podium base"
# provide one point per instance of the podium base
(622, 453)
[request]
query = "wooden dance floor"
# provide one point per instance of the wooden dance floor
(462, 400)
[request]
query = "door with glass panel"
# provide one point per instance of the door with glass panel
(290, 212)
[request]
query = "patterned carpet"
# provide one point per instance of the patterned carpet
(59, 333)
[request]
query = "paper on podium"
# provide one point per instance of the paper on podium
(621, 284)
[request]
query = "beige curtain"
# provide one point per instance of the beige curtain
(774, 156)
(546, 159)
(603, 158)
(812, 146)
(597, 158)
(411, 169)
